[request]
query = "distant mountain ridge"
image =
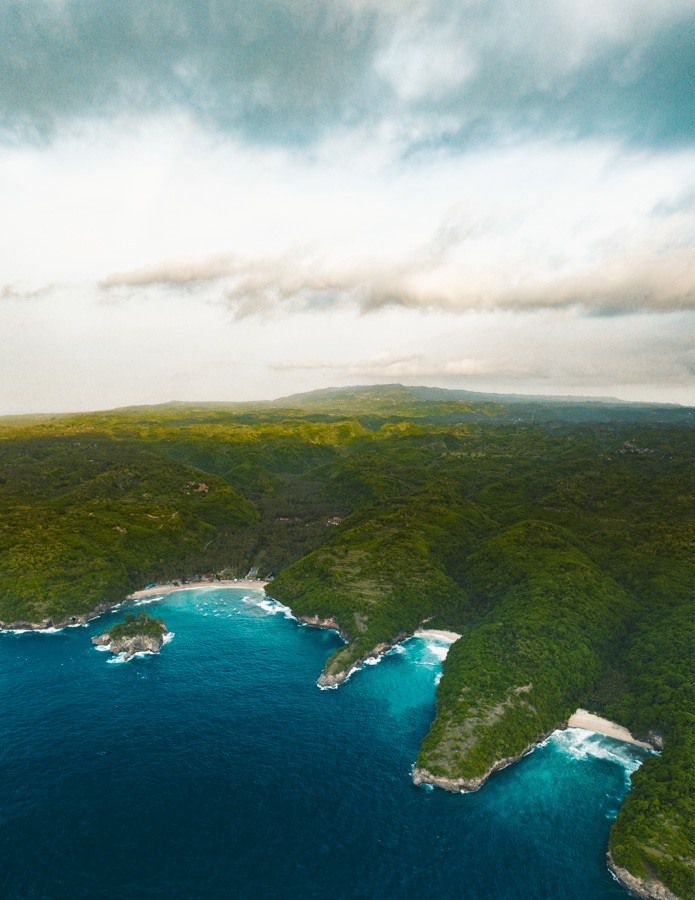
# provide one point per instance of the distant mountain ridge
(435, 394)
(400, 399)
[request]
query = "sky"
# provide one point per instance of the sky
(207, 200)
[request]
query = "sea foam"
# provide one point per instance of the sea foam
(581, 744)
(270, 606)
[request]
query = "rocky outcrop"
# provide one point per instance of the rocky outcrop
(329, 622)
(50, 622)
(651, 889)
(129, 646)
(332, 679)
(458, 785)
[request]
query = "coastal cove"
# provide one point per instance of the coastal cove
(268, 748)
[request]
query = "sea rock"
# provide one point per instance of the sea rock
(651, 889)
(328, 622)
(129, 646)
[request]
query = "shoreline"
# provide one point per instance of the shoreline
(587, 721)
(437, 634)
(647, 889)
(243, 584)
(48, 625)
(332, 680)
(581, 719)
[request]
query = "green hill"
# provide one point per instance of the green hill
(556, 535)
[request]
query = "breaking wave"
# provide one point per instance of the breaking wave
(581, 744)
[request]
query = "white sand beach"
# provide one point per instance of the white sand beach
(582, 718)
(161, 589)
(437, 633)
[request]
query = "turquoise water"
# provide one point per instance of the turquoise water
(217, 769)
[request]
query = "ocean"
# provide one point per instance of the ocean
(217, 769)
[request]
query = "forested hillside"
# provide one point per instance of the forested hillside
(557, 537)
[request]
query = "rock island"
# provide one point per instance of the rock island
(137, 634)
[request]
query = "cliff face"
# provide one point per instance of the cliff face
(337, 670)
(651, 889)
(456, 785)
(138, 643)
(52, 622)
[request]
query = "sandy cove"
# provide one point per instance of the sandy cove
(160, 589)
(439, 634)
(590, 722)
(582, 718)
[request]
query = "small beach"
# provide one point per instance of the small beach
(437, 634)
(582, 718)
(162, 589)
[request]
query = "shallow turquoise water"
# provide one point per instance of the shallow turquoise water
(217, 769)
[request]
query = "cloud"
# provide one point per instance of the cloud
(13, 292)
(522, 356)
(638, 279)
(290, 71)
(174, 275)
(386, 368)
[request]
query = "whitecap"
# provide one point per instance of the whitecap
(51, 630)
(145, 601)
(121, 657)
(581, 744)
(272, 607)
(438, 650)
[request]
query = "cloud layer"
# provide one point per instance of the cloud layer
(206, 199)
(289, 71)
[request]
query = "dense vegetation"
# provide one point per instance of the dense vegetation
(557, 537)
(134, 625)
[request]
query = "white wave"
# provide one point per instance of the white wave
(168, 637)
(121, 657)
(50, 630)
(272, 607)
(102, 648)
(581, 744)
(145, 601)
(428, 651)
(438, 650)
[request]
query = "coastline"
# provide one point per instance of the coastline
(581, 719)
(437, 634)
(331, 680)
(50, 625)
(157, 590)
(652, 889)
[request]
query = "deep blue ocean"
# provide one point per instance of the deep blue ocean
(217, 769)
